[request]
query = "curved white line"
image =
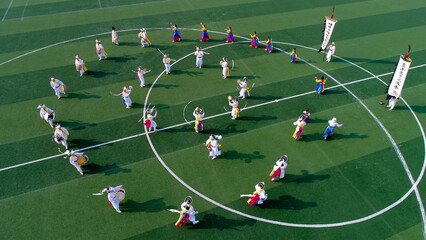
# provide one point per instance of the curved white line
(295, 224)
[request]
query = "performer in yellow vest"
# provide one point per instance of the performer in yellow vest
(47, 114)
(235, 109)
(144, 38)
(79, 65)
(244, 92)
(58, 86)
(61, 135)
(100, 50)
(77, 159)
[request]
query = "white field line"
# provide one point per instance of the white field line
(7, 10)
(100, 5)
(414, 187)
(23, 11)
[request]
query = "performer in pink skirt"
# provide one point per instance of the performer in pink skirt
(268, 45)
(254, 40)
(204, 34)
(230, 37)
(176, 33)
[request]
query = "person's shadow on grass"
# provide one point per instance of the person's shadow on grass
(210, 221)
(287, 202)
(108, 169)
(246, 157)
(150, 206)
(305, 177)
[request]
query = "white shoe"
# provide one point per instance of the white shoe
(195, 222)
(213, 158)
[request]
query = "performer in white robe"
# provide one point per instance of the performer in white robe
(331, 50)
(213, 146)
(225, 67)
(77, 159)
(144, 38)
(258, 196)
(47, 114)
(199, 57)
(244, 92)
(187, 213)
(100, 50)
(141, 79)
(58, 86)
(114, 36)
(79, 65)
(61, 135)
(199, 115)
(235, 113)
(279, 168)
(149, 121)
(332, 124)
(392, 102)
(125, 95)
(115, 196)
(166, 61)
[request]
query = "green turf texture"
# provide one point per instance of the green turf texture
(353, 175)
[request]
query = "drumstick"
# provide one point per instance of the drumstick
(174, 210)
(116, 95)
(246, 195)
(97, 194)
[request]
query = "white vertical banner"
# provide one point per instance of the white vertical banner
(398, 78)
(328, 30)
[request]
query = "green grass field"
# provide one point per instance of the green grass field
(356, 180)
